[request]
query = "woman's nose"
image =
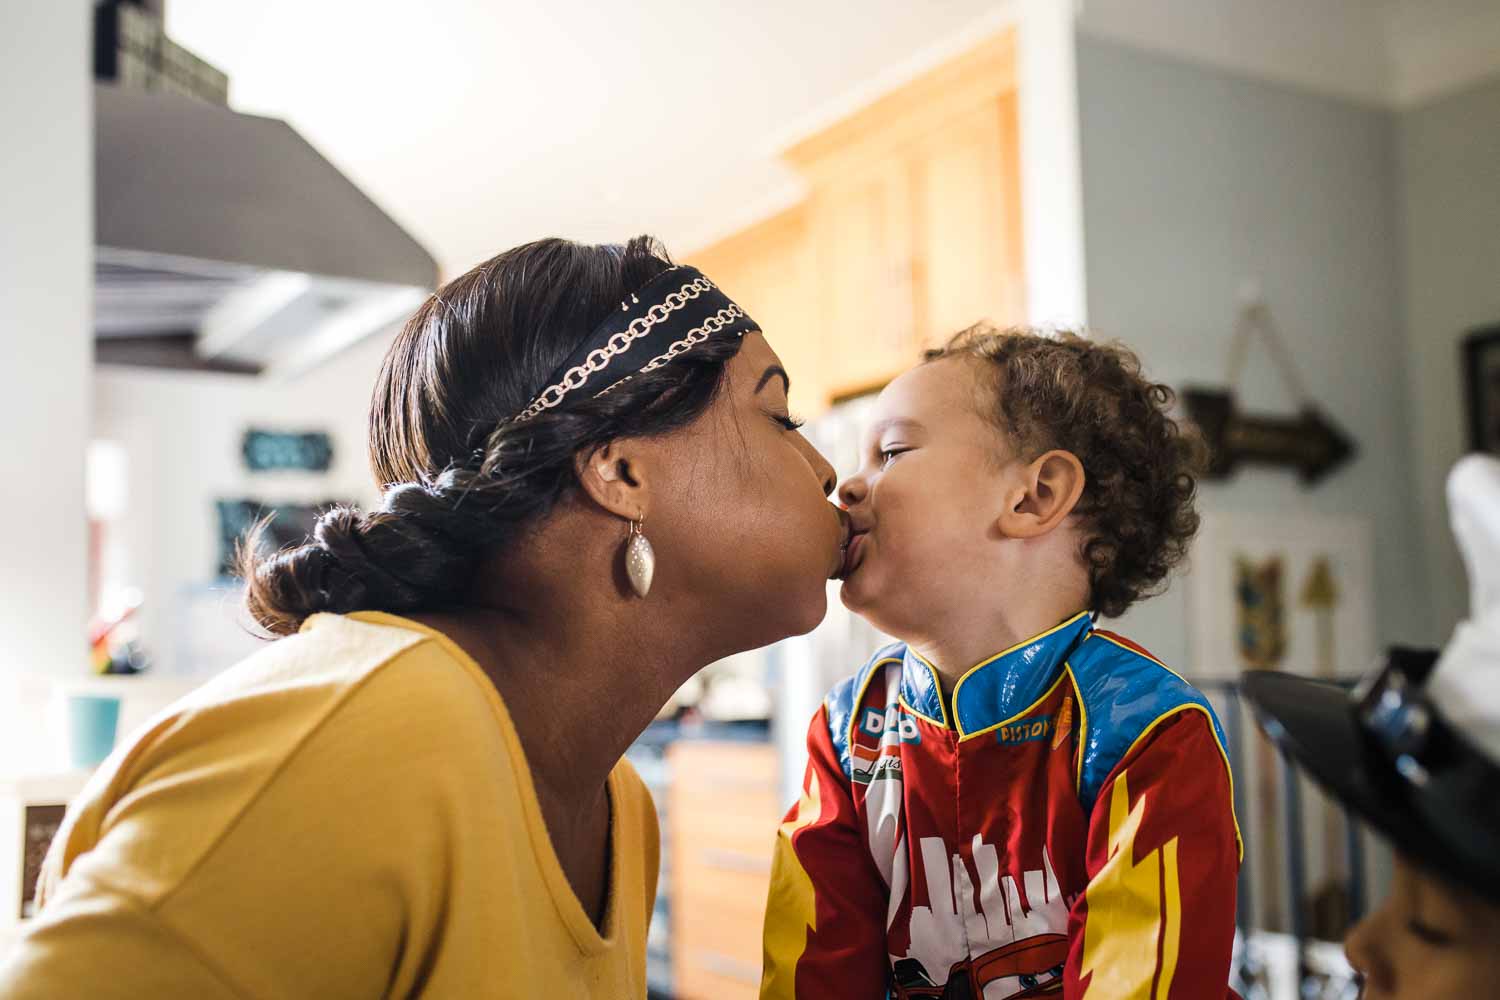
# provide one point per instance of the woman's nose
(820, 466)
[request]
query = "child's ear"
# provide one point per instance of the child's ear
(1048, 492)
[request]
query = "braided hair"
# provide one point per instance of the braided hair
(461, 481)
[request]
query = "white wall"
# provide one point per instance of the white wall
(1195, 179)
(1051, 190)
(182, 433)
(1450, 213)
(46, 236)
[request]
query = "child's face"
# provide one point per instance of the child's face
(925, 502)
(1426, 940)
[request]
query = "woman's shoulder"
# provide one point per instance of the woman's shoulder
(341, 655)
(368, 708)
(404, 689)
(368, 699)
(329, 657)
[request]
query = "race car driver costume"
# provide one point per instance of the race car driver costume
(1064, 827)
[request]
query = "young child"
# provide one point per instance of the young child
(1011, 802)
(1416, 753)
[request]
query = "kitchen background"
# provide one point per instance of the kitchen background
(213, 212)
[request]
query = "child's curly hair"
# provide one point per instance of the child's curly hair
(1090, 398)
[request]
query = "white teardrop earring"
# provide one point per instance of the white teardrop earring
(640, 560)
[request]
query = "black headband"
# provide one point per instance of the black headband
(674, 312)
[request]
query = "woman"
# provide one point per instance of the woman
(1416, 752)
(593, 489)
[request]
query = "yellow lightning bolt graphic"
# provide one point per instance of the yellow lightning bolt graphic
(1132, 907)
(791, 913)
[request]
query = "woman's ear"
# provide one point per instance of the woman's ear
(613, 475)
(1047, 493)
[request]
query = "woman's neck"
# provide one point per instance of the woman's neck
(578, 696)
(582, 664)
(579, 689)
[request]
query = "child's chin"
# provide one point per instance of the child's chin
(861, 603)
(892, 621)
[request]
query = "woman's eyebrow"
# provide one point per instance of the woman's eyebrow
(772, 372)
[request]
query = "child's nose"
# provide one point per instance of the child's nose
(851, 491)
(1367, 956)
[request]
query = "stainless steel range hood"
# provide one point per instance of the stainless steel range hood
(224, 241)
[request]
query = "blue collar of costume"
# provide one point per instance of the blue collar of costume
(997, 687)
(673, 313)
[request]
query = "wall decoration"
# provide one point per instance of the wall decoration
(1308, 441)
(1481, 350)
(266, 451)
(1287, 592)
(290, 524)
(1260, 612)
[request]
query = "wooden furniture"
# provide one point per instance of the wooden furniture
(767, 268)
(911, 231)
(723, 812)
(31, 810)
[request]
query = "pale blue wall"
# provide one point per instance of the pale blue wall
(1194, 180)
(1449, 169)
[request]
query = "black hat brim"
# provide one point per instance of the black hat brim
(1314, 723)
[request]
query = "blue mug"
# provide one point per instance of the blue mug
(92, 722)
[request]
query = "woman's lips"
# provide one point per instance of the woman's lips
(846, 532)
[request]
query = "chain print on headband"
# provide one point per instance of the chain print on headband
(597, 360)
(615, 385)
(695, 336)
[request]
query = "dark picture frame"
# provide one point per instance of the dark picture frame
(1481, 361)
(289, 524)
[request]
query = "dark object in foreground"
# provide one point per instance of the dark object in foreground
(1389, 755)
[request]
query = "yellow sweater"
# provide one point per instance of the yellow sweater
(346, 814)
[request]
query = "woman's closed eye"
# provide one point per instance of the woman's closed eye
(788, 421)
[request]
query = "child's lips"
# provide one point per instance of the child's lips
(853, 553)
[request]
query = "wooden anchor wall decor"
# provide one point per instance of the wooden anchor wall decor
(1308, 441)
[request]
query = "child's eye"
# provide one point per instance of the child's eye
(1428, 934)
(888, 455)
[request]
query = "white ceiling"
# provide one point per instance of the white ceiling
(479, 124)
(1393, 53)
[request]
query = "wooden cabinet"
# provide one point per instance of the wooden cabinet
(911, 231)
(723, 813)
(967, 231)
(861, 232)
(767, 269)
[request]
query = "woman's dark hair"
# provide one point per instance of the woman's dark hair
(460, 482)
